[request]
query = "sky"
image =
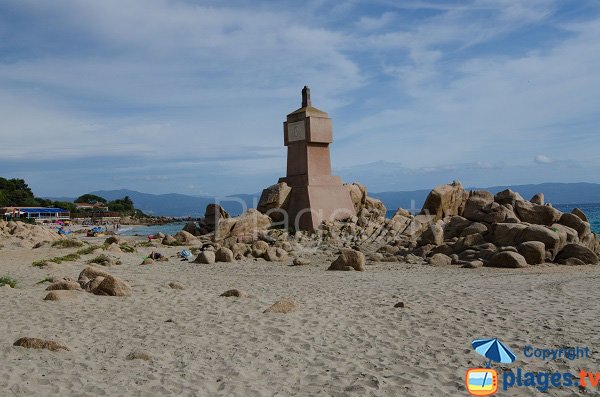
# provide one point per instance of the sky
(165, 96)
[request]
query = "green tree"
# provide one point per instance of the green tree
(90, 199)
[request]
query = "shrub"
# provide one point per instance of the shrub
(88, 250)
(126, 248)
(59, 259)
(99, 259)
(8, 281)
(67, 243)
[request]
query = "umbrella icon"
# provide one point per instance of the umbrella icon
(494, 350)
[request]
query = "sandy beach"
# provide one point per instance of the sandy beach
(345, 337)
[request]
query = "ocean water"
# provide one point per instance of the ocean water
(167, 228)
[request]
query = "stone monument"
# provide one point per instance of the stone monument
(316, 195)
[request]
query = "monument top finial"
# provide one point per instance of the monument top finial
(306, 97)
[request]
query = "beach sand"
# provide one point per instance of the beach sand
(345, 338)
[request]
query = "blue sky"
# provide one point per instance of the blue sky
(189, 96)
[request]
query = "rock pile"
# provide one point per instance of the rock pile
(502, 230)
(26, 235)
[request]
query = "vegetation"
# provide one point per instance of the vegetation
(59, 259)
(99, 259)
(88, 250)
(45, 280)
(8, 281)
(16, 193)
(126, 248)
(90, 199)
(67, 243)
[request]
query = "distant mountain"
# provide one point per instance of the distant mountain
(174, 204)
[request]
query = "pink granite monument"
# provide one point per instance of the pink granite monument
(316, 195)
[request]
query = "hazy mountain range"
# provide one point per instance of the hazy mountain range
(174, 204)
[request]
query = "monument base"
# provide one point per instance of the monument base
(317, 198)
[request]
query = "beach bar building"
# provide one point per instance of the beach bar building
(39, 214)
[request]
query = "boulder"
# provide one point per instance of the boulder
(206, 257)
(36, 343)
(475, 228)
(358, 195)
(534, 252)
(275, 254)
(274, 201)
(508, 197)
(283, 306)
(445, 200)
(553, 239)
(64, 284)
(91, 272)
(176, 285)
(433, 235)
(538, 199)
(112, 286)
(186, 238)
(349, 259)
(236, 293)
(440, 260)
(93, 283)
(224, 255)
(574, 222)
(573, 262)
(578, 252)
(190, 227)
(506, 233)
(213, 214)
(169, 240)
(250, 222)
(259, 248)
(62, 295)
(455, 227)
(507, 259)
(301, 262)
(375, 207)
(537, 214)
(579, 213)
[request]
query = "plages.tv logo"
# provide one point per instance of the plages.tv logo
(484, 381)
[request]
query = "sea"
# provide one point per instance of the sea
(592, 211)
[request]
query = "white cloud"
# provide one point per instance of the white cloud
(541, 159)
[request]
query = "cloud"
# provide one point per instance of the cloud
(109, 93)
(541, 159)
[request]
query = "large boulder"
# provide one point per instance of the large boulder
(445, 200)
(440, 260)
(186, 237)
(537, 214)
(224, 254)
(274, 201)
(432, 235)
(112, 286)
(358, 195)
(507, 259)
(553, 239)
(213, 214)
(538, 199)
(349, 260)
(579, 213)
(206, 257)
(503, 234)
(578, 252)
(455, 227)
(251, 222)
(576, 223)
(275, 254)
(534, 252)
(508, 197)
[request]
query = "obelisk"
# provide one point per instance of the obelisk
(316, 195)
